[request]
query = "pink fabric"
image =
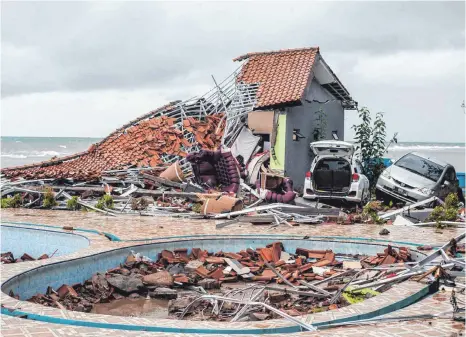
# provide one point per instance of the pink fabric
(285, 196)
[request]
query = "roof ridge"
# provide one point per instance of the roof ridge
(271, 52)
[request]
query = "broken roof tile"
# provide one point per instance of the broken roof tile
(140, 145)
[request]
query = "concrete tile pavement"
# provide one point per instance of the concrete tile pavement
(134, 228)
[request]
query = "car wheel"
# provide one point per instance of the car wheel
(459, 192)
(379, 195)
(364, 199)
(366, 196)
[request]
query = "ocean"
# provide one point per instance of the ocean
(17, 151)
(25, 150)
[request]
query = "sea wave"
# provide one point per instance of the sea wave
(62, 146)
(45, 153)
(32, 154)
(399, 147)
(16, 156)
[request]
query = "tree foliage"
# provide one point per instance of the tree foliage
(13, 202)
(370, 143)
(320, 131)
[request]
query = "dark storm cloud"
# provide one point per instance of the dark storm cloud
(80, 46)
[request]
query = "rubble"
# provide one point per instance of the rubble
(286, 284)
(384, 231)
(8, 257)
(191, 159)
(206, 181)
(126, 284)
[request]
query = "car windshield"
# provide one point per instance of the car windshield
(421, 166)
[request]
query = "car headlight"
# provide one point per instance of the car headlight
(386, 174)
(425, 190)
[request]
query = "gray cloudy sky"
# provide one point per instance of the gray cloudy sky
(86, 68)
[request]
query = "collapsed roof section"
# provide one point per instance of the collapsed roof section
(283, 76)
(156, 138)
(269, 79)
(145, 144)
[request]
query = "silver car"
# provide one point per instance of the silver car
(416, 177)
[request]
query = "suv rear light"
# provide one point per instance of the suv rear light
(355, 177)
(308, 175)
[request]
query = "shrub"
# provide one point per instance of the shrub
(49, 198)
(105, 202)
(447, 211)
(197, 207)
(73, 203)
(370, 211)
(13, 202)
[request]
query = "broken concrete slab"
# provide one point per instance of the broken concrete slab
(352, 265)
(125, 284)
(160, 279)
(402, 221)
(165, 293)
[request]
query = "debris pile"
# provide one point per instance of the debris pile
(140, 145)
(389, 256)
(8, 257)
(214, 188)
(285, 284)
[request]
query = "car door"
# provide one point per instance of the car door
(448, 184)
(452, 179)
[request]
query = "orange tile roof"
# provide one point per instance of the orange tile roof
(139, 143)
(283, 75)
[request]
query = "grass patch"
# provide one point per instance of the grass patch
(359, 295)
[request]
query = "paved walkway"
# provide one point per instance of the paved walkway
(147, 228)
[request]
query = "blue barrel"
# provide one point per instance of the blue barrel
(460, 176)
(387, 162)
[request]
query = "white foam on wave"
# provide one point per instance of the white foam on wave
(425, 147)
(44, 153)
(12, 155)
(29, 154)
(62, 146)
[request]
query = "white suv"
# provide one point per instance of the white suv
(334, 174)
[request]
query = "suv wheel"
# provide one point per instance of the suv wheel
(366, 196)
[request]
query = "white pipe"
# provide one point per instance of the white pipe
(387, 280)
(304, 325)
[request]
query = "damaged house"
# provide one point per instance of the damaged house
(276, 94)
(293, 86)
